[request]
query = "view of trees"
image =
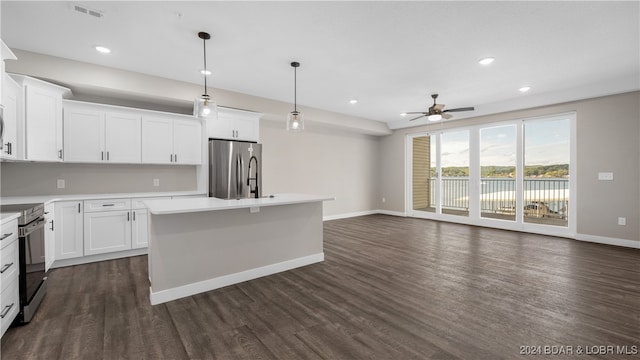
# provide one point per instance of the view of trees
(541, 171)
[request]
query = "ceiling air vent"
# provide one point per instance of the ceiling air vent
(87, 11)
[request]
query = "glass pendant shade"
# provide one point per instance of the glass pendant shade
(295, 121)
(204, 106)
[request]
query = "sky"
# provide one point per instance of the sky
(546, 143)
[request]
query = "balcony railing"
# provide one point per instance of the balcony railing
(543, 198)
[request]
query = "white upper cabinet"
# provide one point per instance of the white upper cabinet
(168, 140)
(187, 140)
(10, 99)
(40, 115)
(83, 134)
(94, 134)
(234, 124)
(157, 140)
(5, 54)
(123, 137)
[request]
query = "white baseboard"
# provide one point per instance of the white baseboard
(349, 215)
(392, 213)
(609, 240)
(100, 257)
(362, 213)
(163, 296)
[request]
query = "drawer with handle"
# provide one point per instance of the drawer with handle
(9, 264)
(9, 305)
(107, 205)
(8, 233)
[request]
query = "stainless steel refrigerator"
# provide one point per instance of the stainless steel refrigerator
(235, 169)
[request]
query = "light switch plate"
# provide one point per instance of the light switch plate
(156, 182)
(254, 209)
(60, 184)
(622, 221)
(605, 176)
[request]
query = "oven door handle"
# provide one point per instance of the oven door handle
(34, 226)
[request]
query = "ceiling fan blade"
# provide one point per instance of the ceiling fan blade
(460, 109)
(416, 118)
(446, 116)
(417, 112)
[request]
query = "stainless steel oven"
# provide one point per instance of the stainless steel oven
(32, 277)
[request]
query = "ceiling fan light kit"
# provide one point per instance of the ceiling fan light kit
(295, 119)
(204, 105)
(436, 112)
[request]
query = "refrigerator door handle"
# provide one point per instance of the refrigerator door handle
(238, 177)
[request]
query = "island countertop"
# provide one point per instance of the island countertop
(177, 206)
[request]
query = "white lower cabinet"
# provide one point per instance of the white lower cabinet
(49, 236)
(107, 231)
(139, 231)
(68, 226)
(9, 270)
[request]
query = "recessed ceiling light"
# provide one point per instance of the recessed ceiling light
(102, 49)
(353, 101)
(486, 61)
(205, 72)
(524, 89)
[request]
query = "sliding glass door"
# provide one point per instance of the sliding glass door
(514, 175)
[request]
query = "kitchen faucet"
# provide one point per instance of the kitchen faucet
(249, 178)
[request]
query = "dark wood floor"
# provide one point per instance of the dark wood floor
(390, 288)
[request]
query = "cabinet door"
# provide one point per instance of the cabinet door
(157, 140)
(123, 138)
(43, 124)
(187, 141)
(139, 231)
(69, 230)
(218, 127)
(246, 128)
(49, 236)
(10, 93)
(83, 135)
(107, 231)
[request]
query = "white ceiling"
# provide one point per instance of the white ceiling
(390, 56)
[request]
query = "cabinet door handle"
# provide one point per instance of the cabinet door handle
(6, 310)
(127, 216)
(5, 268)
(101, 155)
(10, 148)
(5, 236)
(175, 157)
(52, 225)
(134, 216)
(60, 154)
(107, 155)
(78, 208)
(171, 158)
(108, 204)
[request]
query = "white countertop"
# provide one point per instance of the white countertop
(49, 198)
(177, 206)
(8, 216)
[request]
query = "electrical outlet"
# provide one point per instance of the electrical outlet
(605, 176)
(60, 184)
(156, 182)
(622, 221)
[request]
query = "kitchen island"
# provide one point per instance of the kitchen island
(201, 244)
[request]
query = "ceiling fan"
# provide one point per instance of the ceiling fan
(436, 113)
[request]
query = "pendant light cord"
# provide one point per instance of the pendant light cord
(295, 90)
(204, 43)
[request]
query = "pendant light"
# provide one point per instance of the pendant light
(204, 105)
(295, 119)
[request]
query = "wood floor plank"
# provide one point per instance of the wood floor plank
(389, 288)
